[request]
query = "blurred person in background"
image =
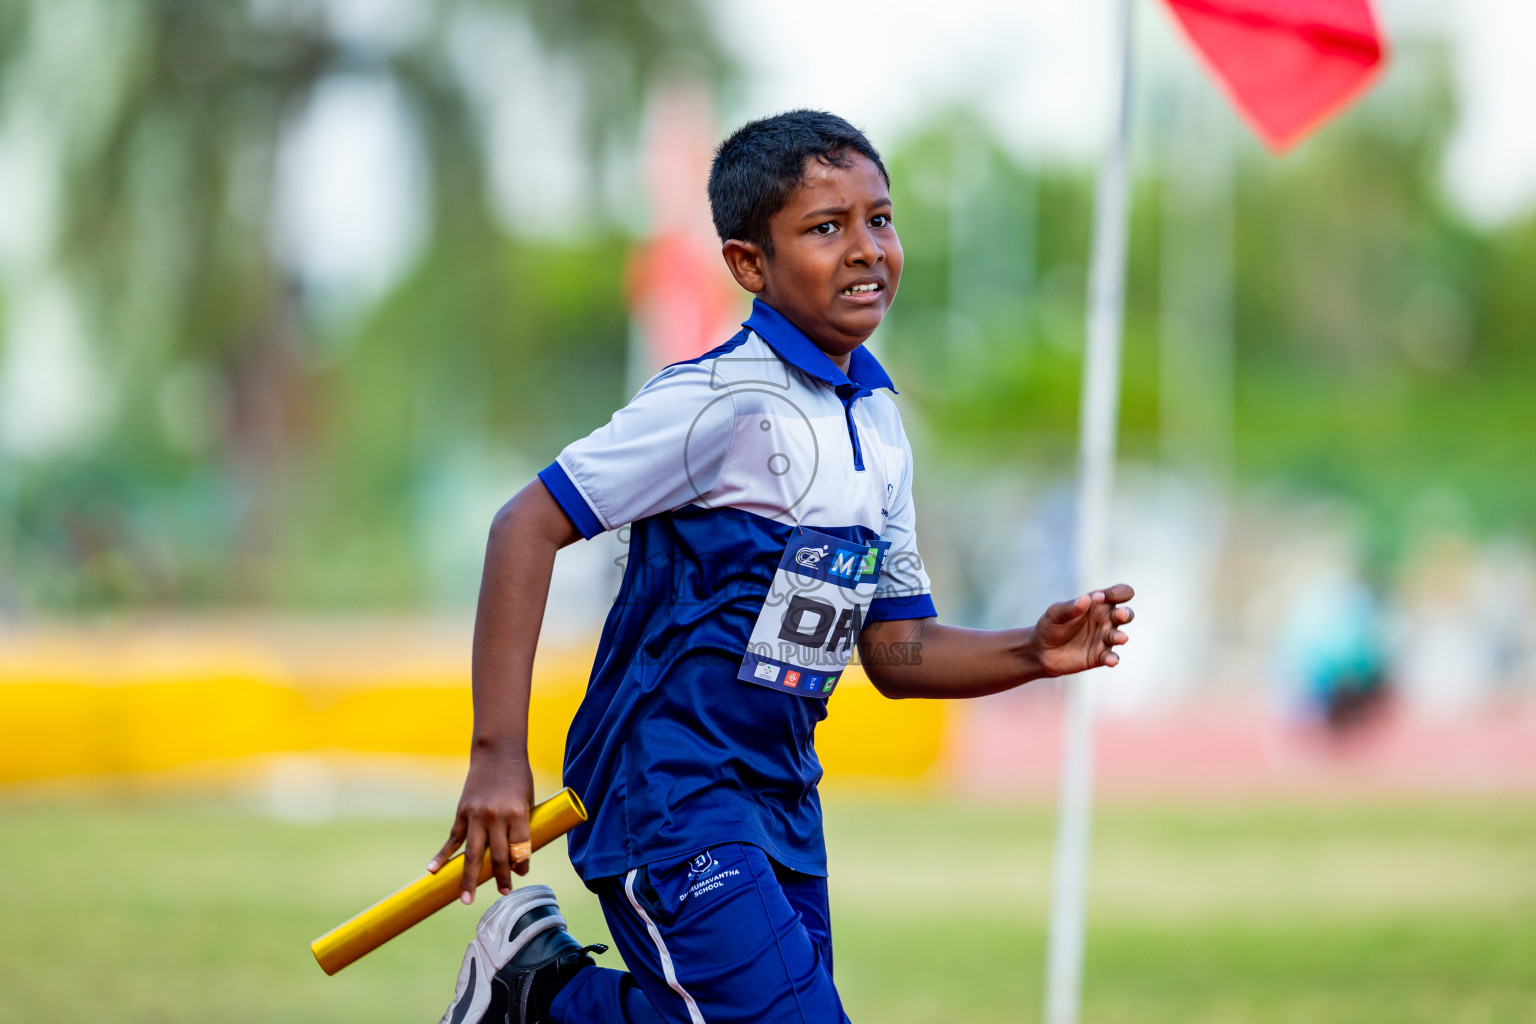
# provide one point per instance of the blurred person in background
(1333, 653)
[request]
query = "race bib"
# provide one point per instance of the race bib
(811, 619)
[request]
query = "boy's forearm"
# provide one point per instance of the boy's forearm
(519, 559)
(924, 658)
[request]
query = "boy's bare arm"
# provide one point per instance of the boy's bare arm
(493, 810)
(924, 658)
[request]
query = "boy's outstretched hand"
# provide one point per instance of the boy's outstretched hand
(1073, 636)
(935, 660)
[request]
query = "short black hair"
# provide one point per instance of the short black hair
(761, 165)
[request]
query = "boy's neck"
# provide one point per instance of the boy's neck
(840, 359)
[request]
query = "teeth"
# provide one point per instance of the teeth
(860, 289)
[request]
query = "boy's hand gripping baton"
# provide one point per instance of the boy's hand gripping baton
(424, 897)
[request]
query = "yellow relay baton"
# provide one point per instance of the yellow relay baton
(549, 820)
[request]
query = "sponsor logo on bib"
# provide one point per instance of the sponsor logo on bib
(811, 557)
(816, 606)
(845, 564)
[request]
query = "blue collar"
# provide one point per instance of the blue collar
(864, 371)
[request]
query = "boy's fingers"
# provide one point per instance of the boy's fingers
(1110, 659)
(474, 852)
(522, 845)
(1066, 611)
(1124, 614)
(1119, 593)
(455, 837)
(501, 857)
(1117, 637)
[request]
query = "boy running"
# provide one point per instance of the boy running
(768, 488)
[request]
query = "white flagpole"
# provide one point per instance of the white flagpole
(1099, 422)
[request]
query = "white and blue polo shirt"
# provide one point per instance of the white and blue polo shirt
(714, 464)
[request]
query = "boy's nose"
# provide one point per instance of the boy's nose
(865, 249)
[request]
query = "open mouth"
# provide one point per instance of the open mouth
(867, 288)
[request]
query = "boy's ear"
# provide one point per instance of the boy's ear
(746, 261)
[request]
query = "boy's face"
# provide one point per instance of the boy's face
(836, 259)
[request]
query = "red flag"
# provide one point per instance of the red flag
(1287, 64)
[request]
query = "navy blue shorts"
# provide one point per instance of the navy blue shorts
(725, 936)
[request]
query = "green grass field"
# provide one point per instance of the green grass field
(167, 911)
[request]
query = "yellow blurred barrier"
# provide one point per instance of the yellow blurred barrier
(424, 897)
(80, 702)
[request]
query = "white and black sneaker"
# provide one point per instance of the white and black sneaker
(520, 959)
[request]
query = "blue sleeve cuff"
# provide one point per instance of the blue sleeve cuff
(907, 606)
(570, 500)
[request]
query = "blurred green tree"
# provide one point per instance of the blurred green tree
(1382, 340)
(227, 393)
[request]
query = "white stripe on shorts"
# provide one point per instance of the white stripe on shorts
(667, 970)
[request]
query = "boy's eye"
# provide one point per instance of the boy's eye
(824, 228)
(880, 220)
